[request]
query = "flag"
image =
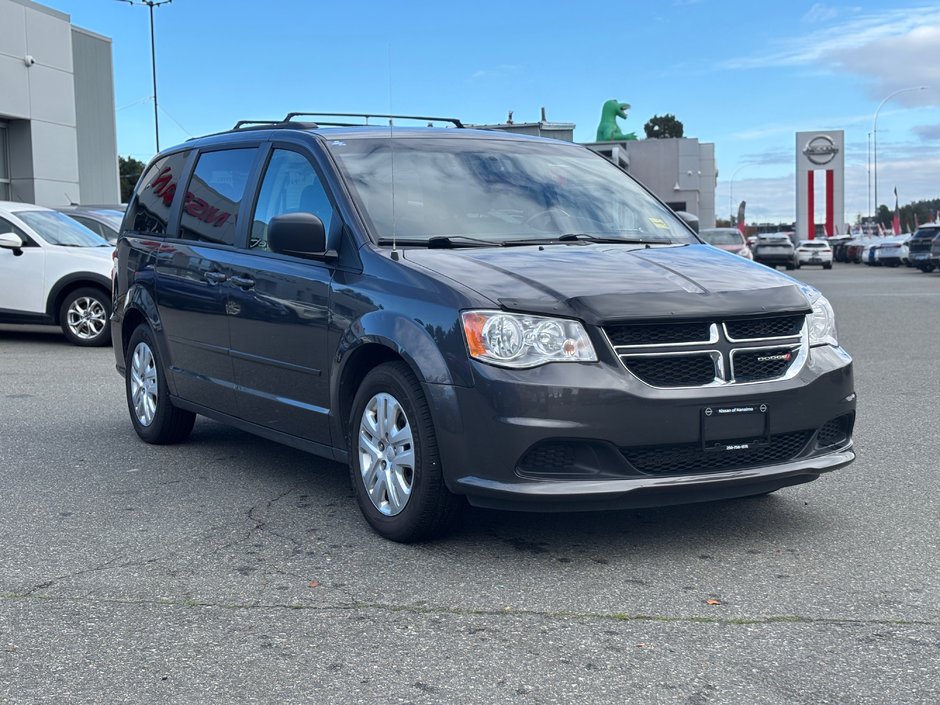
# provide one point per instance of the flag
(896, 221)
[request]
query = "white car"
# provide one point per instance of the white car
(814, 253)
(54, 271)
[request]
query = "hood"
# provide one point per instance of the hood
(94, 259)
(602, 283)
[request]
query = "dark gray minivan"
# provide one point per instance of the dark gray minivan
(467, 315)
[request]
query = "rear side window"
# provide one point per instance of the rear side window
(214, 196)
(150, 208)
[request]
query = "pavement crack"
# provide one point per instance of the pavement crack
(458, 612)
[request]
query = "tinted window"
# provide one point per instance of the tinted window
(290, 184)
(215, 192)
(92, 225)
(150, 206)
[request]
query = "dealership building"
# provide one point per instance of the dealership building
(58, 140)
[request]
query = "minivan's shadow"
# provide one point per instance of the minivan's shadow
(704, 527)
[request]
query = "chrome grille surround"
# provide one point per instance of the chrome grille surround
(722, 349)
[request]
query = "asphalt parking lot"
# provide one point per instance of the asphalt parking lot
(232, 569)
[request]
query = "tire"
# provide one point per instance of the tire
(85, 317)
(827, 266)
(798, 265)
(791, 266)
(394, 464)
(153, 415)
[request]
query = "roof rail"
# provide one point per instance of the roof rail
(264, 124)
(366, 116)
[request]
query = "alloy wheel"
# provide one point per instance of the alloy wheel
(86, 317)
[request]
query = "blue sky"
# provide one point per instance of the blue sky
(745, 76)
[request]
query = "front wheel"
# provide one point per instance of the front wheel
(153, 415)
(85, 317)
(395, 466)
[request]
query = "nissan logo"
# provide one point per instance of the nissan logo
(820, 150)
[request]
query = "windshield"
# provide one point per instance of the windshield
(498, 190)
(722, 237)
(58, 229)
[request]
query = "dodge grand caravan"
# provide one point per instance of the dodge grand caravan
(466, 315)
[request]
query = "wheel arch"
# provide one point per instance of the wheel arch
(374, 339)
(69, 283)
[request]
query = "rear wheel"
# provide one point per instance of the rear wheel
(153, 415)
(395, 466)
(827, 266)
(85, 317)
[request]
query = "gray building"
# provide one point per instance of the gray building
(58, 139)
(680, 171)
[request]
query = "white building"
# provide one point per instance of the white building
(58, 140)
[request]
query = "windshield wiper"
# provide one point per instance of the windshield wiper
(585, 237)
(441, 242)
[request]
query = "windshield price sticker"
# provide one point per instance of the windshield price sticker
(659, 223)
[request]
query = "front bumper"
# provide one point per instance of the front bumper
(567, 437)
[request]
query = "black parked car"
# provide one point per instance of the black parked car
(460, 313)
(924, 247)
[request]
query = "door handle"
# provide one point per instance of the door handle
(214, 277)
(243, 282)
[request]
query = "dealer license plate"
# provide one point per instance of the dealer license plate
(735, 428)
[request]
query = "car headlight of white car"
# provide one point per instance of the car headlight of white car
(520, 340)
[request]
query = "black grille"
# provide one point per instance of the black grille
(691, 459)
(549, 458)
(673, 370)
(834, 432)
(756, 365)
(658, 333)
(775, 327)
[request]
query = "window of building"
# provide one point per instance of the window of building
(290, 185)
(215, 193)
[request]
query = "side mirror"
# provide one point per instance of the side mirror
(689, 219)
(299, 235)
(12, 241)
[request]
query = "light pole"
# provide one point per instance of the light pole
(153, 60)
(874, 132)
(731, 191)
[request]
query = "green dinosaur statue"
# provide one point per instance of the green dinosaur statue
(609, 130)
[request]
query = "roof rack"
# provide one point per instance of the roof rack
(367, 116)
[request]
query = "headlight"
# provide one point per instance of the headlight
(822, 321)
(519, 340)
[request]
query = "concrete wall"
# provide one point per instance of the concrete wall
(57, 97)
(94, 117)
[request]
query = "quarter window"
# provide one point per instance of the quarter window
(210, 211)
(290, 185)
(150, 207)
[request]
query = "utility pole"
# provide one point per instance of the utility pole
(153, 61)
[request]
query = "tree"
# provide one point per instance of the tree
(663, 126)
(130, 170)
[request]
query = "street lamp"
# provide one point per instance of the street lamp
(874, 133)
(153, 60)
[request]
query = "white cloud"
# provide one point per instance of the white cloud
(928, 133)
(819, 13)
(894, 49)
